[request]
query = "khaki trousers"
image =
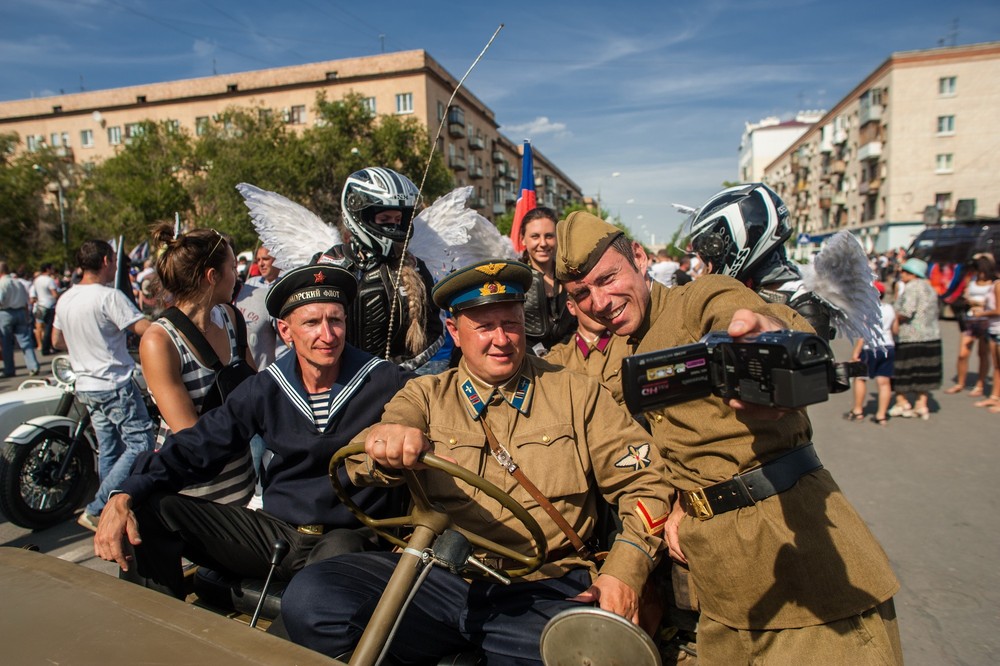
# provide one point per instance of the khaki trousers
(871, 638)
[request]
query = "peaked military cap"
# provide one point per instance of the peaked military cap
(312, 283)
(581, 240)
(482, 283)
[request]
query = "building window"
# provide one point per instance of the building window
(173, 126)
(942, 201)
(369, 103)
(33, 142)
(132, 130)
(65, 139)
(404, 103)
(946, 125)
(946, 85)
(440, 111)
(87, 138)
(115, 135)
(201, 125)
(945, 163)
(297, 115)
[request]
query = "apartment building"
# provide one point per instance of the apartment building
(763, 141)
(916, 142)
(91, 126)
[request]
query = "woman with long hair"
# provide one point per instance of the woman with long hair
(975, 329)
(547, 322)
(198, 269)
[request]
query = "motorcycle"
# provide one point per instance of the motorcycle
(48, 463)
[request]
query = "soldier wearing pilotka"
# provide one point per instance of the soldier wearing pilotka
(564, 431)
(779, 547)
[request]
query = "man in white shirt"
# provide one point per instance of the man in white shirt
(14, 323)
(664, 268)
(91, 321)
(46, 293)
(264, 343)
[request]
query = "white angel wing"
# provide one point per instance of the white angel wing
(841, 276)
(448, 235)
(292, 233)
(682, 209)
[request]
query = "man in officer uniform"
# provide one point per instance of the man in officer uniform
(593, 350)
(771, 542)
(563, 430)
(306, 406)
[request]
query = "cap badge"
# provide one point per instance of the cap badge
(490, 288)
(319, 277)
(491, 269)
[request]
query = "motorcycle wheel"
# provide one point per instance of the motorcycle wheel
(30, 496)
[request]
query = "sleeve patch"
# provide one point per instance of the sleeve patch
(637, 458)
(654, 526)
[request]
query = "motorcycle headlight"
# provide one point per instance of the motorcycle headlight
(62, 369)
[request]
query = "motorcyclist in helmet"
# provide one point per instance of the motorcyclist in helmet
(377, 205)
(741, 232)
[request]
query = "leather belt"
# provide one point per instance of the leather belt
(746, 489)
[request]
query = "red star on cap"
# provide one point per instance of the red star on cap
(319, 277)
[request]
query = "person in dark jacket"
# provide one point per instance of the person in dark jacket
(305, 406)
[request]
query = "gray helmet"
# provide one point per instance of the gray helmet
(738, 228)
(369, 192)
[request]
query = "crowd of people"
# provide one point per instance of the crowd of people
(730, 492)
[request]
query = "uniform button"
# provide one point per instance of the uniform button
(545, 439)
(658, 418)
(453, 441)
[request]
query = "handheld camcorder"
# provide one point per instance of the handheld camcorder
(779, 369)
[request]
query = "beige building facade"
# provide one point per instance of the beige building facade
(916, 143)
(91, 126)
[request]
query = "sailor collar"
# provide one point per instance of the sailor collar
(355, 366)
(517, 390)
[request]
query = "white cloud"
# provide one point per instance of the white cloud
(534, 128)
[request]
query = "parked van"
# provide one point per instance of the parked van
(948, 251)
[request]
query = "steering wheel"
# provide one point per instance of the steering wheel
(426, 514)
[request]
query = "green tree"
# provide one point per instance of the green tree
(28, 224)
(347, 137)
(141, 185)
(245, 146)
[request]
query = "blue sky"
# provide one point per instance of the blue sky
(643, 102)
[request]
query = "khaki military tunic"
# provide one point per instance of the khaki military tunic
(603, 360)
(568, 436)
(799, 558)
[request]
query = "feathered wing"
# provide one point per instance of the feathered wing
(840, 275)
(448, 235)
(292, 233)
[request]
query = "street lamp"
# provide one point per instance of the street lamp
(58, 182)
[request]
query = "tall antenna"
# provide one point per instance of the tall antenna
(381, 40)
(953, 33)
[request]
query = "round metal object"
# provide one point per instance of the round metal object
(589, 636)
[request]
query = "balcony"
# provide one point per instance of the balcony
(838, 166)
(839, 136)
(870, 151)
(510, 197)
(477, 202)
(499, 208)
(475, 171)
(501, 169)
(477, 142)
(456, 163)
(456, 130)
(869, 113)
(497, 157)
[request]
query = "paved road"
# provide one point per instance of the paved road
(926, 488)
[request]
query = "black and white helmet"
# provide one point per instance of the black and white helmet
(738, 228)
(369, 192)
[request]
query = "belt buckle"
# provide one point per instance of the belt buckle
(699, 502)
(310, 529)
